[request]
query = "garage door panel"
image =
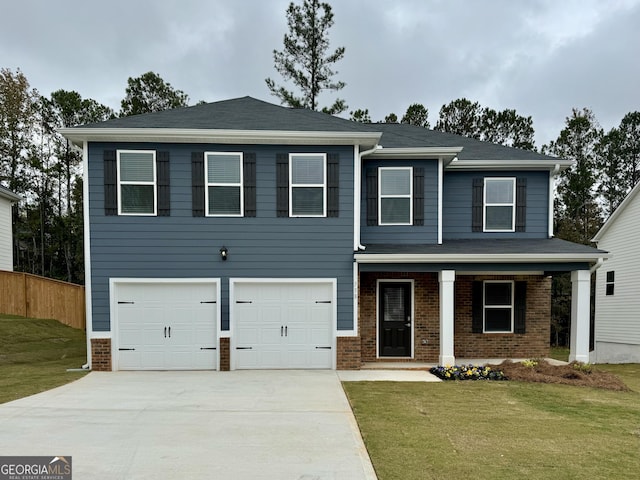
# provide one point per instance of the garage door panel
(166, 324)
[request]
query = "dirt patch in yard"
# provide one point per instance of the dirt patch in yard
(572, 374)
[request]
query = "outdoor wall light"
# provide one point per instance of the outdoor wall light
(223, 253)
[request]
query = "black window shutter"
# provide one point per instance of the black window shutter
(110, 183)
(520, 308)
(333, 185)
(164, 190)
(521, 204)
(477, 205)
(249, 182)
(477, 307)
(282, 185)
(372, 196)
(197, 183)
(418, 196)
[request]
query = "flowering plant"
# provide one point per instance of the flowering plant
(467, 372)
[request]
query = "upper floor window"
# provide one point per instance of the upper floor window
(137, 185)
(395, 199)
(498, 306)
(308, 185)
(224, 183)
(499, 204)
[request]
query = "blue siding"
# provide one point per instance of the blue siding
(457, 196)
(183, 246)
(427, 233)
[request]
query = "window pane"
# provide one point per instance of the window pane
(499, 218)
(497, 293)
(224, 200)
(307, 201)
(223, 168)
(136, 167)
(307, 170)
(611, 276)
(497, 320)
(395, 210)
(609, 288)
(395, 182)
(136, 199)
(499, 191)
(393, 301)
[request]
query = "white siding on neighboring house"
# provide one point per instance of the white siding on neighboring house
(6, 254)
(617, 317)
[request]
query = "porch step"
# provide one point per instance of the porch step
(396, 366)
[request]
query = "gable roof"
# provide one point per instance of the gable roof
(248, 120)
(9, 195)
(617, 212)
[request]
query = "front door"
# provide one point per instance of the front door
(394, 331)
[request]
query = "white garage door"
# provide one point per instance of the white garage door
(166, 326)
(283, 325)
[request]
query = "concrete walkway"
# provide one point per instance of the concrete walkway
(168, 425)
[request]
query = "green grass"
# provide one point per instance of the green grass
(499, 430)
(35, 355)
(559, 353)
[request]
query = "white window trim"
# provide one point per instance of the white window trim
(308, 185)
(217, 184)
(486, 204)
(154, 183)
(381, 196)
(495, 307)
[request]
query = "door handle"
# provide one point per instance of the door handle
(285, 331)
(165, 332)
(169, 332)
(407, 324)
(281, 331)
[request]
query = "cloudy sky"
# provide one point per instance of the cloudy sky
(541, 57)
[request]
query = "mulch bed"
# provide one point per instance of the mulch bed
(571, 374)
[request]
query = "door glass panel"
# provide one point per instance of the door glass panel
(393, 298)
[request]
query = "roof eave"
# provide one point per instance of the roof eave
(78, 135)
(399, 153)
(9, 195)
(546, 164)
(480, 258)
(617, 212)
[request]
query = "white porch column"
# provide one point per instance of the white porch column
(446, 278)
(580, 315)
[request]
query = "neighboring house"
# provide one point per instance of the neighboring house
(7, 199)
(244, 235)
(617, 317)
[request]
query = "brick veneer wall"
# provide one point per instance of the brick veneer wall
(348, 353)
(225, 357)
(101, 354)
(535, 343)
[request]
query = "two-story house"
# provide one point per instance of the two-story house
(245, 235)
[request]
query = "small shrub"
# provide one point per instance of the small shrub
(529, 363)
(467, 372)
(582, 367)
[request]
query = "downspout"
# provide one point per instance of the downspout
(597, 265)
(552, 177)
(358, 213)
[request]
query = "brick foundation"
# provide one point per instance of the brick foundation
(348, 353)
(225, 357)
(101, 354)
(535, 343)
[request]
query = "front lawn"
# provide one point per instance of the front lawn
(500, 430)
(35, 355)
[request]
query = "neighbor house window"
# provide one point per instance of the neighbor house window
(498, 306)
(395, 187)
(499, 204)
(611, 278)
(308, 185)
(223, 171)
(137, 182)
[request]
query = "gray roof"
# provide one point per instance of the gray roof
(533, 246)
(247, 113)
(9, 195)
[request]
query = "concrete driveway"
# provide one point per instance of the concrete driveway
(169, 425)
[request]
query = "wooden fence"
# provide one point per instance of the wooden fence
(38, 297)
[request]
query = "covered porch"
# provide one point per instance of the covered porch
(469, 300)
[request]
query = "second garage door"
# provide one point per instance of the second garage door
(283, 325)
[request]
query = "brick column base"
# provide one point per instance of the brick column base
(348, 353)
(101, 354)
(225, 357)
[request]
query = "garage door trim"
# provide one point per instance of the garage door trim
(113, 307)
(334, 307)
